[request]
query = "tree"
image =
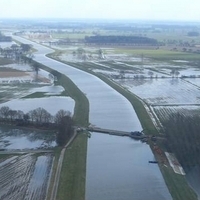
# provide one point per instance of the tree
(36, 68)
(59, 116)
(20, 114)
(25, 47)
(32, 115)
(4, 111)
(122, 74)
(177, 73)
(12, 114)
(172, 72)
(65, 130)
(150, 73)
(80, 52)
(46, 117)
(100, 53)
(26, 118)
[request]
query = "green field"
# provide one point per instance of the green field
(72, 179)
(159, 54)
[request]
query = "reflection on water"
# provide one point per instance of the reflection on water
(118, 168)
(25, 139)
(39, 180)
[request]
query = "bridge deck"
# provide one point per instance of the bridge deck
(115, 132)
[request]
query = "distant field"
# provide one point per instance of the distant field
(159, 54)
(178, 36)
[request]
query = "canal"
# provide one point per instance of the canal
(117, 167)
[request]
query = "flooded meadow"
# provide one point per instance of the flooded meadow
(25, 176)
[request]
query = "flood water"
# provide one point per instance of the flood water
(117, 167)
(12, 139)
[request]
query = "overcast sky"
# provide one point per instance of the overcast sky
(102, 9)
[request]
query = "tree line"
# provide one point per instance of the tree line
(183, 138)
(41, 118)
(136, 40)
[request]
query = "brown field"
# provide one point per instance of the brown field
(12, 74)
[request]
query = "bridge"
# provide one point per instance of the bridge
(135, 135)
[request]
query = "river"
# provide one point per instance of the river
(117, 167)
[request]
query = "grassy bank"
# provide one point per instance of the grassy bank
(72, 177)
(177, 185)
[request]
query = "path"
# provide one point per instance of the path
(59, 167)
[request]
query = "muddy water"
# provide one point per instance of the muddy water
(117, 167)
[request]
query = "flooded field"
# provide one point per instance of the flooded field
(51, 104)
(163, 91)
(19, 139)
(25, 177)
(163, 112)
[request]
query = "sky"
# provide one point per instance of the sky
(184, 10)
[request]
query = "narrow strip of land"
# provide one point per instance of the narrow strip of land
(59, 167)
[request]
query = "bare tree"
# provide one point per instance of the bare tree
(4, 111)
(33, 115)
(177, 73)
(12, 114)
(36, 68)
(20, 114)
(47, 117)
(150, 73)
(60, 114)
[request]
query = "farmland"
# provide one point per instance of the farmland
(25, 176)
(153, 82)
(157, 82)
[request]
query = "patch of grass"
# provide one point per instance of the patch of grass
(177, 185)
(35, 95)
(159, 54)
(4, 156)
(72, 180)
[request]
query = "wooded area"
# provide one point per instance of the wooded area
(42, 119)
(134, 40)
